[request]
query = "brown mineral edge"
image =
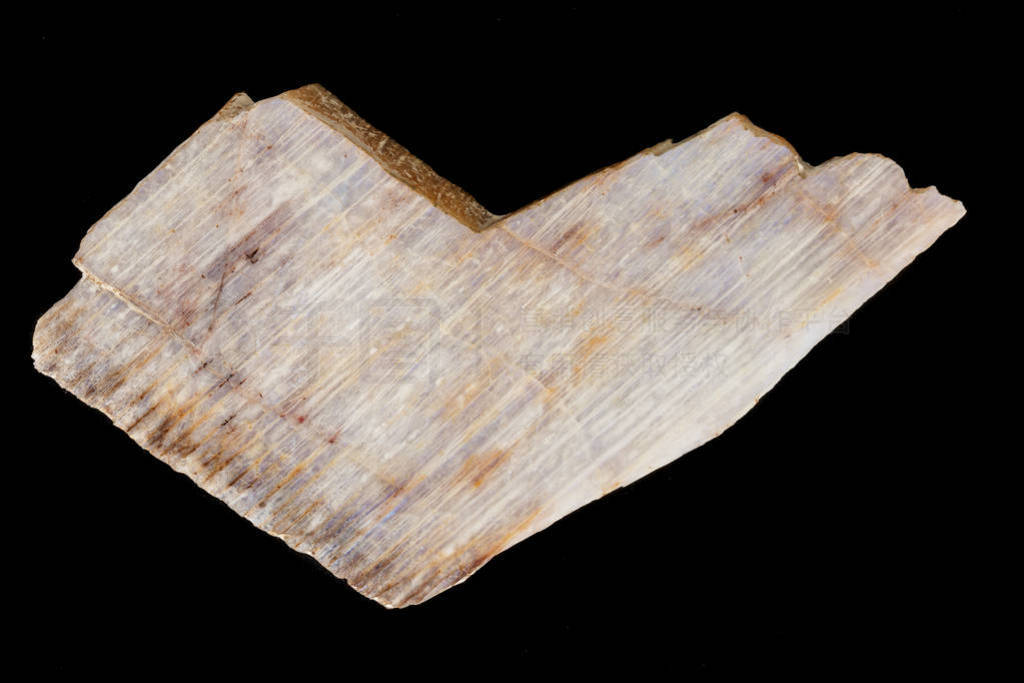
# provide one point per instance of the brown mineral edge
(393, 157)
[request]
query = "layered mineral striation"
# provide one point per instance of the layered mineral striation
(356, 356)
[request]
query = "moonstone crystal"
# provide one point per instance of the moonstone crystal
(360, 359)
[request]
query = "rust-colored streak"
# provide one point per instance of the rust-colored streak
(159, 434)
(566, 236)
(140, 418)
(592, 344)
(477, 468)
(585, 350)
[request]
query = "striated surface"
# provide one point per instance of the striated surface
(360, 359)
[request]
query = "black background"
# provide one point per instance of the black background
(843, 524)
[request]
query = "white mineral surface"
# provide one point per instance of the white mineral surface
(358, 358)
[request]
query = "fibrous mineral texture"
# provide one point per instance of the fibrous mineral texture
(360, 359)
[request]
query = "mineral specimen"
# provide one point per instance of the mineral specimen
(356, 356)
